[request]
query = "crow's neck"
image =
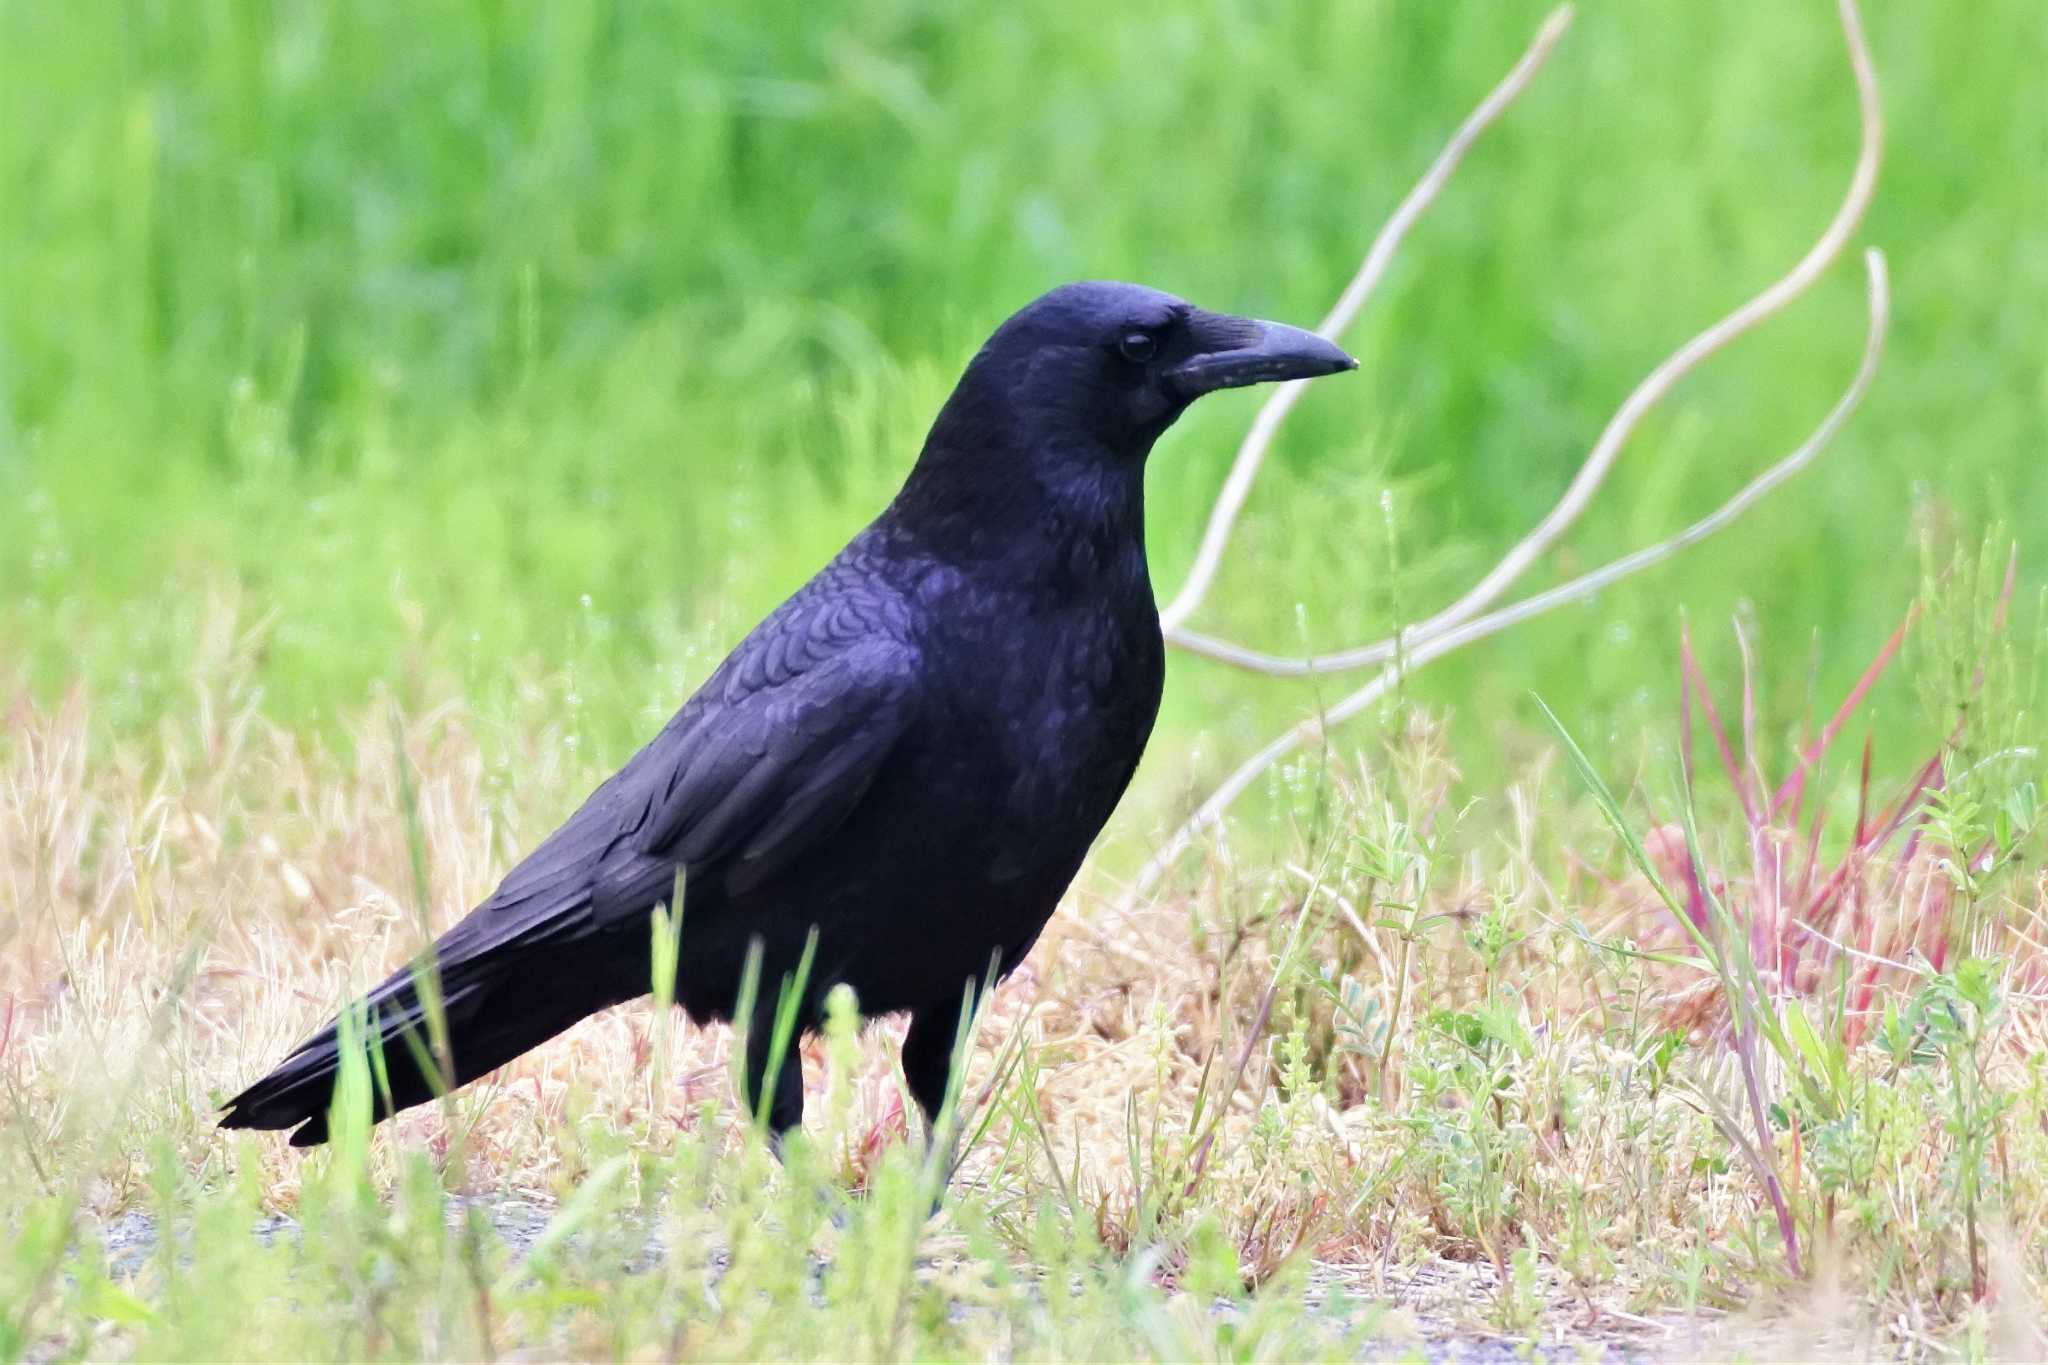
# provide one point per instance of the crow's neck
(1064, 511)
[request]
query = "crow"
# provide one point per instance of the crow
(899, 771)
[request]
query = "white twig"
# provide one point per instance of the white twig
(1600, 461)
(1872, 958)
(1211, 811)
(1252, 452)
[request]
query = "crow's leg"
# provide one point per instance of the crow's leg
(786, 1103)
(928, 1057)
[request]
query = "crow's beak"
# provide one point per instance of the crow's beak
(1239, 351)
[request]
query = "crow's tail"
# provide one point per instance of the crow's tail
(497, 1005)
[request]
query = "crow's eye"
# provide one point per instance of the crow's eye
(1138, 347)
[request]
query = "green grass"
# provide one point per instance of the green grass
(687, 1248)
(538, 338)
(505, 361)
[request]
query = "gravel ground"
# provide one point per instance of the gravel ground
(1427, 1299)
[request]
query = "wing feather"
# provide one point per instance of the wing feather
(770, 756)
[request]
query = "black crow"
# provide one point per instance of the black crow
(908, 759)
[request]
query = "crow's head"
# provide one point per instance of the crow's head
(1117, 363)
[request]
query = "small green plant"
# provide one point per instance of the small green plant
(1953, 1017)
(1470, 1120)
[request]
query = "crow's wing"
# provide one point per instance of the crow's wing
(767, 759)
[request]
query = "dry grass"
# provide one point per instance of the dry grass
(1391, 1040)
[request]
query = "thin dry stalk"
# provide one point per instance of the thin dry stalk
(1251, 454)
(1654, 387)
(1209, 814)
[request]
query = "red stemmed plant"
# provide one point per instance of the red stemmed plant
(1880, 910)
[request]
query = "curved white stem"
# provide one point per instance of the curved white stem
(1251, 453)
(1210, 813)
(1600, 460)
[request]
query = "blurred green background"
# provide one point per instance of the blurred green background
(534, 349)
